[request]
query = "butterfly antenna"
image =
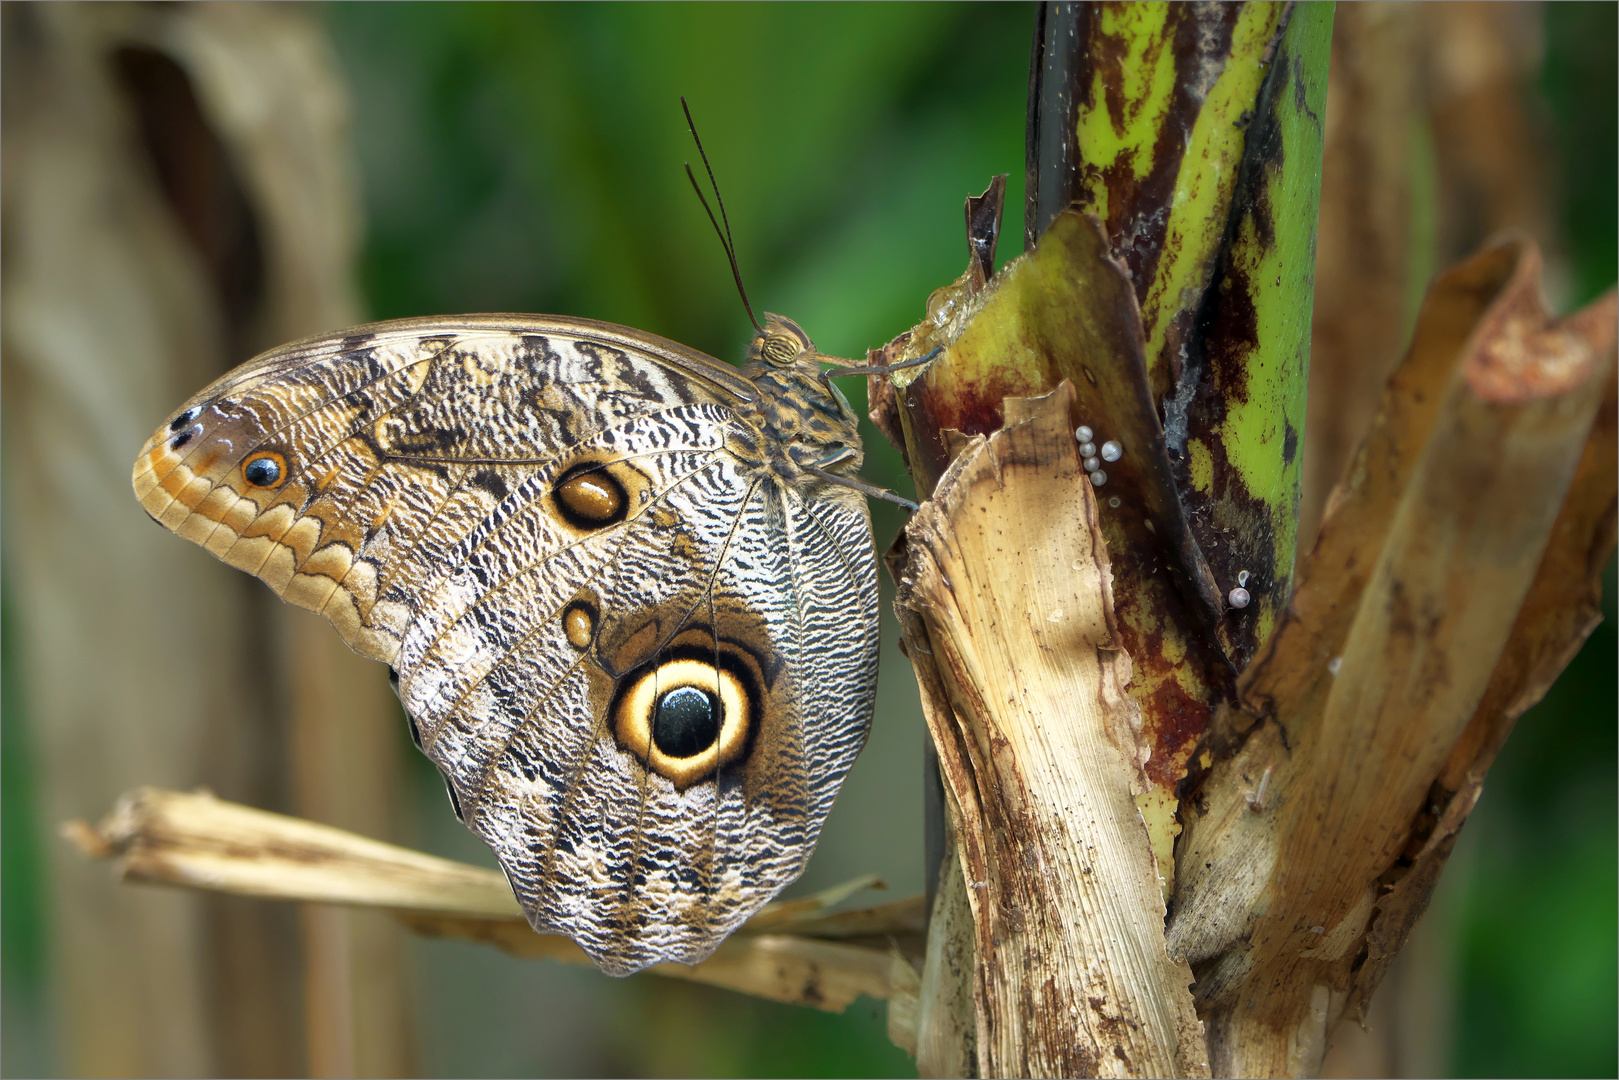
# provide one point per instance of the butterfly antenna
(725, 233)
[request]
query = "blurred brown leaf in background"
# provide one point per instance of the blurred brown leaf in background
(178, 195)
(1432, 146)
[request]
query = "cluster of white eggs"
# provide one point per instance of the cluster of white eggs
(1092, 455)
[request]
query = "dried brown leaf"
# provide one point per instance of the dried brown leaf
(197, 841)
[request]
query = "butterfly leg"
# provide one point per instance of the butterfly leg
(869, 490)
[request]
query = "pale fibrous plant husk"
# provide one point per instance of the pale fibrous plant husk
(797, 951)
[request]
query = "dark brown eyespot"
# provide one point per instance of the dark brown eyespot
(185, 418)
(780, 349)
(264, 469)
(579, 624)
(591, 498)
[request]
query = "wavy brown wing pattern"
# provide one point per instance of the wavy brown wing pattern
(641, 659)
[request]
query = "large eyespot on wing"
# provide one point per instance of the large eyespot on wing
(692, 711)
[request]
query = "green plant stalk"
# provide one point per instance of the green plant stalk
(1070, 308)
(1236, 420)
(1170, 92)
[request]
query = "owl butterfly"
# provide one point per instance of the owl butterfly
(627, 593)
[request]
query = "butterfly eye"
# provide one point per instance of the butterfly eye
(591, 499)
(684, 719)
(781, 349)
(264, 469)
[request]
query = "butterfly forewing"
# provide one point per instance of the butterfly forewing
(641, 659)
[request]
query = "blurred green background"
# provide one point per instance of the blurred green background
(528, 158)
